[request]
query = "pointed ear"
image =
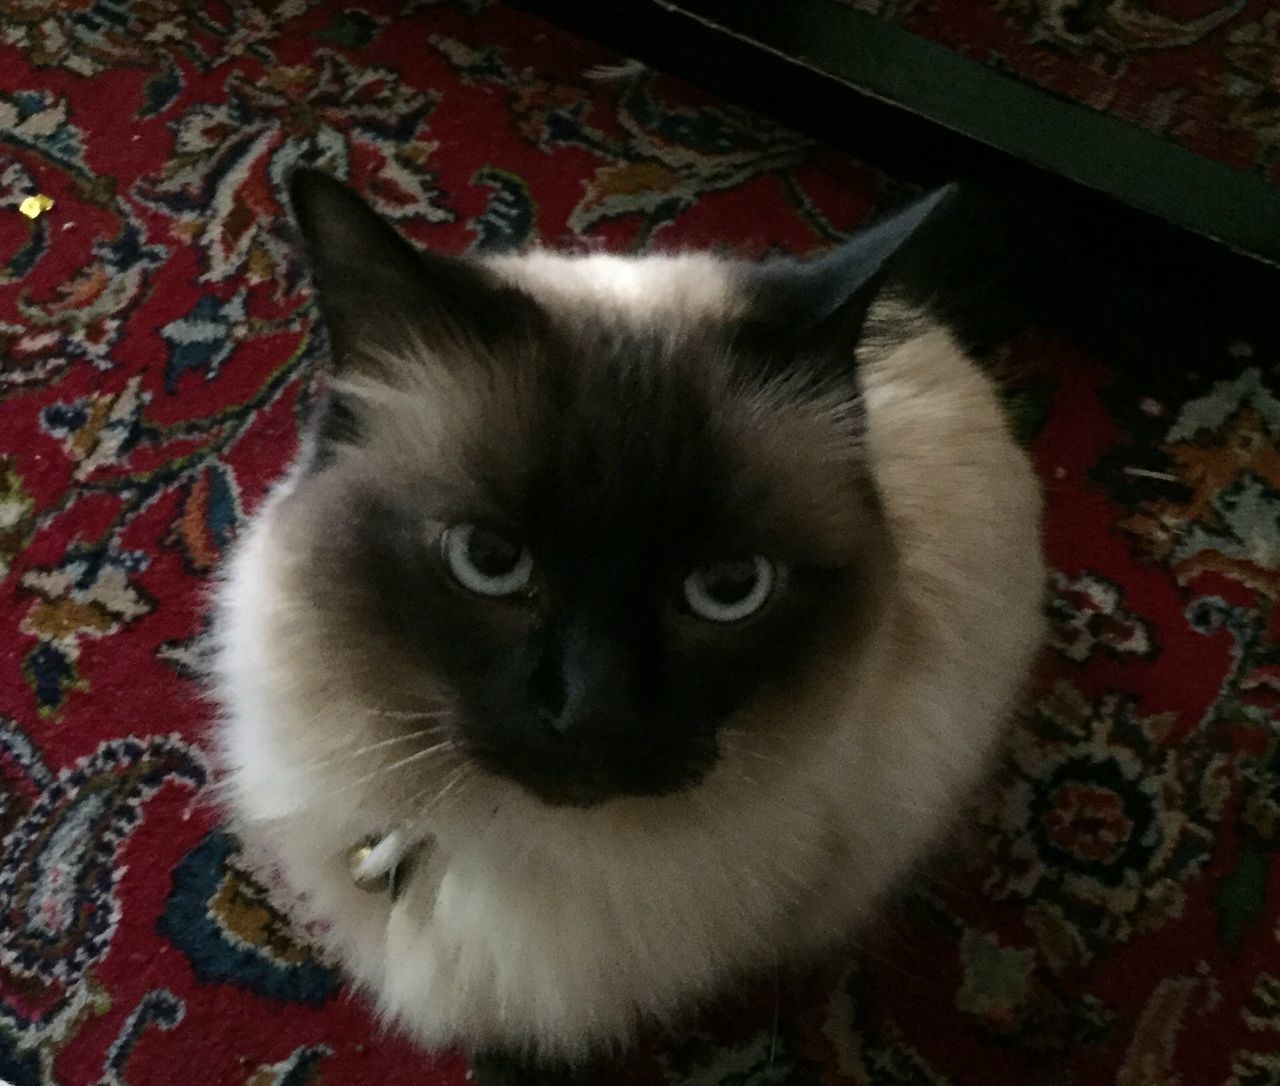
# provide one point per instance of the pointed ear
(819, 305)
(376, 291)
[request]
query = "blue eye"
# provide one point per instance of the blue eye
(484, 562)
(730, 590)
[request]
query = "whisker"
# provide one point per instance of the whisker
(444, 744)
(346, 756)
(408, 714)
(460, 773)
(226, 783)
(734, 748)
(416, 756)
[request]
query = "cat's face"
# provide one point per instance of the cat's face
(598, 540)
(597, 562)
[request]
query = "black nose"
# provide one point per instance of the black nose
(583, 682)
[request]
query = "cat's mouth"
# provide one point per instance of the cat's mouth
(579, 780)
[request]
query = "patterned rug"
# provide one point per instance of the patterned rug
(1202, 73)
(1110, 915)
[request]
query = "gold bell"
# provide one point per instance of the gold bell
(356, 859)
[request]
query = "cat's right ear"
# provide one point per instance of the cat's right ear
(379, 295)
(810, 313)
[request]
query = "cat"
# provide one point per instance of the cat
(626, 626)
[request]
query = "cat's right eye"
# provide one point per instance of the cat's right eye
(484, 562)
(730, 590)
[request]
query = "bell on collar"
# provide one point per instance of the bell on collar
(366, 872)
(379, 864)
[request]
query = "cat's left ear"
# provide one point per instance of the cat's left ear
(379, 294)
(821, 304)
(387, 304)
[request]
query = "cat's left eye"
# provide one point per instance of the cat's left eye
(730, 590)
(485, 562)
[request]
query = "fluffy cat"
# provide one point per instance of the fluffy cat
(644, 615)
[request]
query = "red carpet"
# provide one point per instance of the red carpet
(1110, 918)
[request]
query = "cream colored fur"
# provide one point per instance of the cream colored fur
(558, 930)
